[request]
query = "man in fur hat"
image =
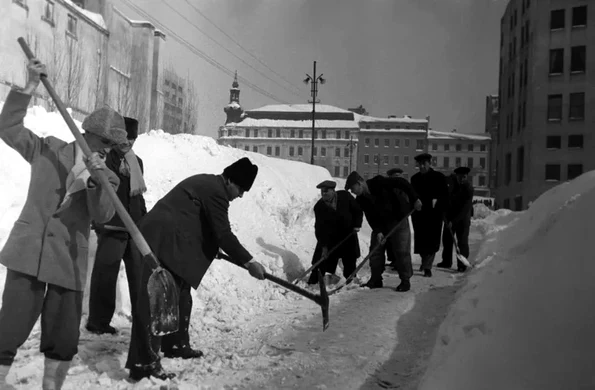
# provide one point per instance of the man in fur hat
(113, 241)
(185, 230)
(46, 251)
(337, 216)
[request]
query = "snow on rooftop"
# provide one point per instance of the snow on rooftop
(524, 320)
(319, 123)
(432, 134)
(373, 119)
(96, 18)
(299, 108)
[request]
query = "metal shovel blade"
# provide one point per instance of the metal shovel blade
(323, 301)
(163, 302)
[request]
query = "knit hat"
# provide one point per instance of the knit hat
(131, 127)
(106, 123)
(352, 179)
(242, 172)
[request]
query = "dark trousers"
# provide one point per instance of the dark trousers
(461, 231)
(144, 348)
(330, 264)
(427, 260)
(398, 250)
(24, 299)
(111, 249)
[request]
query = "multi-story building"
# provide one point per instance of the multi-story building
(173, 102)
(547, 76)
(491, 130)
(452, 150)
(285, 131)
(391, 142)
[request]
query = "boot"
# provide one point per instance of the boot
(54, 374)
(373, 284)
(105, 329)
(443, 264)
(428, 273)
(154, 370)
(184, 353)
(404, 286)
(3, 374)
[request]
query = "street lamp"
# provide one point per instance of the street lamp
(313, 80)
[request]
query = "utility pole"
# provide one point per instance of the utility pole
(350, 151)
(314, 91)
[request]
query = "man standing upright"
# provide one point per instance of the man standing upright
(384, 211)
(337, 216)
(458, 219)
(113, 241)
(432, 188)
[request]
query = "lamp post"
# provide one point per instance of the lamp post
(313, 80)
(427, 148)
(350, 151)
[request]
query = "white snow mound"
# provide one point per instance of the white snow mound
(525, 319)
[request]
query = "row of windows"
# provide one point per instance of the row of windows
(173, 85)
(387, 143)
(578, 60)
(299, 151)
(558, 18)
(575, 141)
(445, 161)
(276, 133)
(388, 127)
(459, 147)
(48, 16)
(576, 107)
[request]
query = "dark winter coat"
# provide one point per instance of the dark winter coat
(332, 226)
(461, 202)
(382, 206)
(186, 228)
(427, 222)
(135, 205)
(49, 240)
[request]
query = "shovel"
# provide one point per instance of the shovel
(162, 289)
(321, 299)
(460, 257)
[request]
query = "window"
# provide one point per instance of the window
(554, 107)
(457, 162)
(482, 148)
(291, 151)
(579, 16)
(482, 163)
(376, 142)
(376, 159)
(337, 152)
(48, 12)
(346, 171)
(323, 152)
(385, 159)
(255, 133)
(406, 160)
(270, 133)
(323, 134)
(397, 143)
(434, 146)
(346, 135)
(578, 59)
(419, 144)
(386, 142)
(577, 106)
(71, 27)
(470, 162)
(520, 164)
(300, 151)
(277, 150)
(446, 162)
(407, 142)
(482, 181)
(278, 135)
(315, 153)
(506, 204)
(557, 19)
(552, 172)
(269, 150)
(518, 203)
(366, 158)
(315, 134)
(470, 147)
(574, 171)
(346, 152)
(292, 134)
(301, 134)
(556, 61)
(337, 171)
(367, 141)
(247, 148)
(255, 149)
(434, 161)
(553, 142)
(458, 147)
(247, 133)
(575, 141)
(508, 168)
(396, 160)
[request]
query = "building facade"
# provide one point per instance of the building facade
(547, 79)
(491, 130)
(451, 150)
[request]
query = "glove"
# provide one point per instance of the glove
(380, 237)
(356, 229)
(417, 205)
(256, 270)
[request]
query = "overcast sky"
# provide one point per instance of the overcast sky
(414, 57)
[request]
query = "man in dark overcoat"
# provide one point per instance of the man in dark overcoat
(114, 243)
(432, 188)
(46, 252)
(384, 211)
(458, 219)
(337, 216)
(185, 230)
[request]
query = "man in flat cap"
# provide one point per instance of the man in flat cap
(337, 216)
(385, 211)
(114, 243)
(185, 230)
(458, 219)
(394, 172)
(46, 251)
(432, 188)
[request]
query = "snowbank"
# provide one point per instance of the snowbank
(525, 319)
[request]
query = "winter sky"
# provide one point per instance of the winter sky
(415, 57)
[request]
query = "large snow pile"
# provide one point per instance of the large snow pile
(525, 320)
(274, 220)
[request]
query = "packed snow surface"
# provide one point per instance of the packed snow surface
(525, 319)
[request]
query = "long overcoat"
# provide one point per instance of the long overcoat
(332, 226)
(427, 223)
(460, 203)
(49, 240)
(186, 228)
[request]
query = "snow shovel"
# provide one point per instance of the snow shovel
(460, 257)
(162, 288)
(323, 258)
(321, 299)
(365, 260)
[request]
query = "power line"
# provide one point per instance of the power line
(206, 57)
(240, 46)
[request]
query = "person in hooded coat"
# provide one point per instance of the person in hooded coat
(337, 216)
(432, 188)
(114, 243)
(185, 230)
(46, 253)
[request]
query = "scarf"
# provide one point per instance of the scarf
(77, 177)
(130, 167)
